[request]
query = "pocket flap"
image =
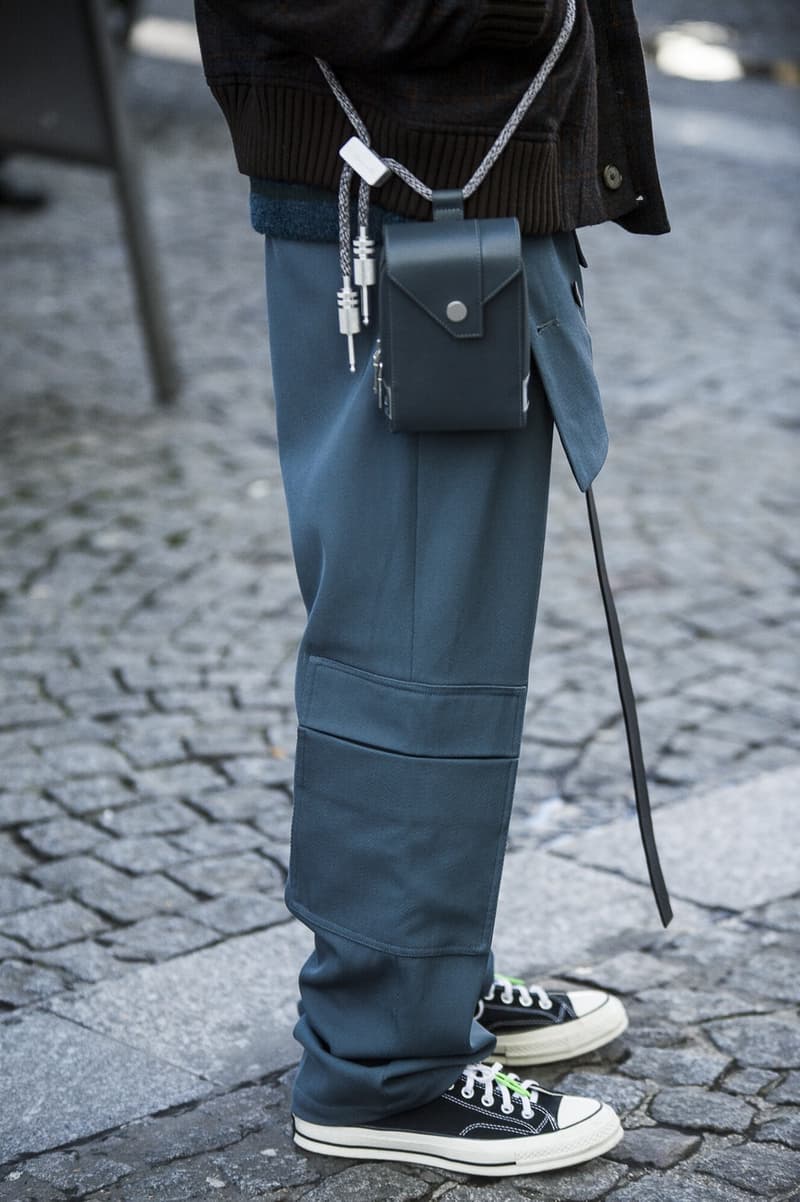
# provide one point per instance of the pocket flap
(412, 717)
(438, 262)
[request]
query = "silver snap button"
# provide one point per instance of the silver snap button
(456, 310)
(612, 176)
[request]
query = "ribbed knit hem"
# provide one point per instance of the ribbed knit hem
(293, 134)
(511, 22)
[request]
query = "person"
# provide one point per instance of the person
(418, 555)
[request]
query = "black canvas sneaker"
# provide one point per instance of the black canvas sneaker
(488, 1123)
(536, 1026)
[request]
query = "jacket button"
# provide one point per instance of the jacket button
(612, 176)
(576, 292)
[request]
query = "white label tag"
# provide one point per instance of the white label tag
(365, 162)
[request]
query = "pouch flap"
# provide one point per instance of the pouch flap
(435, 263)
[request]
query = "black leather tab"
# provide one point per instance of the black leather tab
(448, 204)
(631, 723)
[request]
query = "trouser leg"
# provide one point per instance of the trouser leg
(418, 558)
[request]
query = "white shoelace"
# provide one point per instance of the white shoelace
(527, 993)
(491, 1077)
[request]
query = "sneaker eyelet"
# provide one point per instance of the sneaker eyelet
(487, 1101)
(507, 1109)
(465, 1093)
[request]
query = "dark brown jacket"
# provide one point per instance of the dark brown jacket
(434, 82)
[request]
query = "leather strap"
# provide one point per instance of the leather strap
(631, 723)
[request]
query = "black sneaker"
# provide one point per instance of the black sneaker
(488, 1123)
(536, 1026)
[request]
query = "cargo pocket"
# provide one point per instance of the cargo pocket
(403, 792)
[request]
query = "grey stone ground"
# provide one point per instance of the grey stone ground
(149, 620)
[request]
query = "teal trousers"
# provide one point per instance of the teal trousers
(418, 558)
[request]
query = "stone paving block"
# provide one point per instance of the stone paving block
(87, 961)
(85, 796)
(174, 780)
(622, 1095)
(375, 1182)
(679, 1187)
(764, 1170)
(701, 1110)
(772, 974)
(159, 937)
(49, 926)
(783, 915)
(195, 701)
(759, 1042)
(62, 1082)
(85, 759)
(22, 983)
(731, 847)
(27, 773)
(788, 1090)
(125, 898)
(259, 770)
(583, 1183)
(222, 741)
(686, 1006)
(216, 875)
(585, 909)
(141, 853)
(676, 1066)
(212, 1123)
(13, 860)
(19, 1186)
(225, 1011)
(62, 836)
(490, 1192)
(218, 838)
(150, 818)
(749, 1081)
(16, 714)
(19, 807)
(20, 895)
(11, 950)
(237, 913)
(714, 947)
(654, 1147)
(105, 704)
(78, 729)
(783, 1128)
(78, 1171)
(627, 972)
(655, 1032)
(267, 808)
(140, 676)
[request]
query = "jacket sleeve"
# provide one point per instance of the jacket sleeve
(386, 33)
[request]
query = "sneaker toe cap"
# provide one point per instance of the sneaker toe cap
(587, 1001)
(573, 1109)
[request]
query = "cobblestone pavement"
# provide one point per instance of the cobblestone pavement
(149, 616)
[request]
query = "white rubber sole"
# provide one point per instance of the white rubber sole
(591, 1137)
(564, 1042)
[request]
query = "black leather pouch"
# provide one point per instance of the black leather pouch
(453, 349)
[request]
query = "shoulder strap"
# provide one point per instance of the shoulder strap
(359, 156)
(631, 723)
